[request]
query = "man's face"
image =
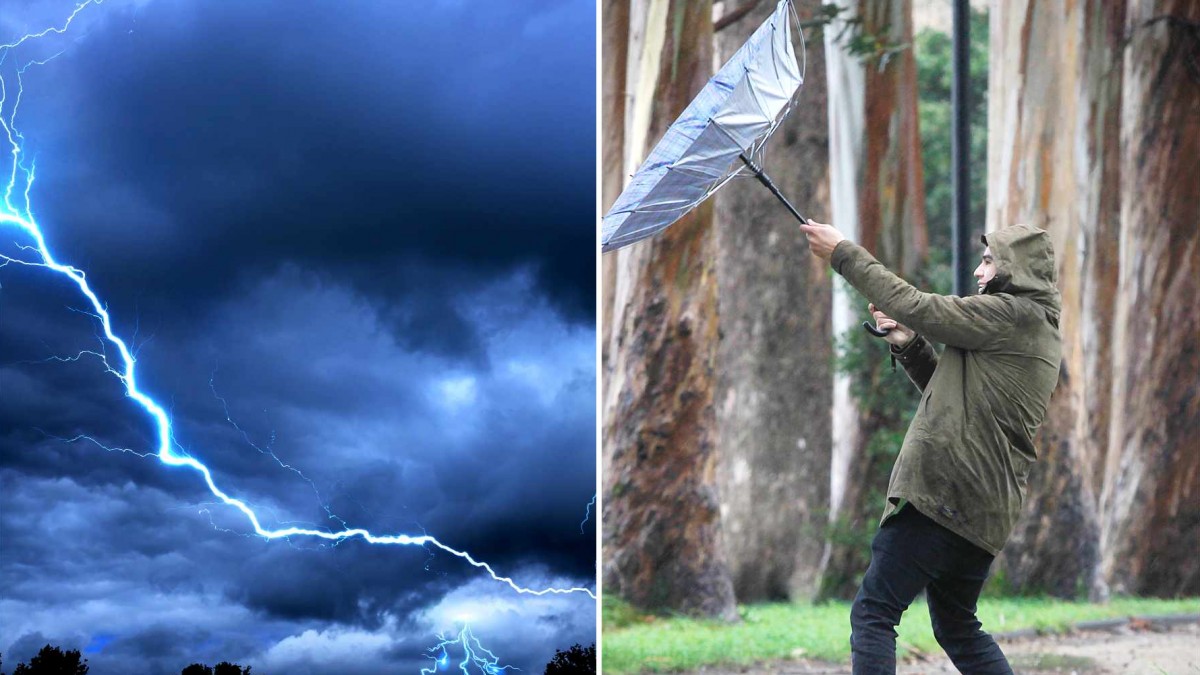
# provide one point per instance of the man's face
(986, 269)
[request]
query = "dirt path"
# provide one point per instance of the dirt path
(1136, 649)
(1124, 651)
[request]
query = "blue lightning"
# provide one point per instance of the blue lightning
(474, 654)
(20, 216)
(270, 451)
(587, 514)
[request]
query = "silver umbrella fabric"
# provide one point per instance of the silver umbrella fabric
(715, 137)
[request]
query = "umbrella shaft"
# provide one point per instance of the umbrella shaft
(766, 180)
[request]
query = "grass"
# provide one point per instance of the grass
(633, 643)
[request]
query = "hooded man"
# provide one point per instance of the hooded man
(959, 480)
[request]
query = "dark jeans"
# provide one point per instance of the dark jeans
(912, 553)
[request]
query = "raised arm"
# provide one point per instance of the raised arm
(967, 323)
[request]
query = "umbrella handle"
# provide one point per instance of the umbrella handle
(766, 180)
(875, 331)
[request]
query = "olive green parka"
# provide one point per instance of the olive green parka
(966, 457)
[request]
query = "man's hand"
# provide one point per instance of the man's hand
(900, 334)
(821, 238)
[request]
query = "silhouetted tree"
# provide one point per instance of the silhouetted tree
(222, 668)
(54, 661)
(578, 660)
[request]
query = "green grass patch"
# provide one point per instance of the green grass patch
(634, 643)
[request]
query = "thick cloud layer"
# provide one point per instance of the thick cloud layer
(353, 245)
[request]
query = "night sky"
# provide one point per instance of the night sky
(353, 245)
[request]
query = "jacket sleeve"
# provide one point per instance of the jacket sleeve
(919, 359)
(967, 323)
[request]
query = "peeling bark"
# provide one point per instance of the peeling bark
(1150, 500)
(890, 222)
(613, 93)
(845, 89)
(614, 57)
(1094, 111)
(662, 534)
(773, 395)
(1050, 174)
(892, 197)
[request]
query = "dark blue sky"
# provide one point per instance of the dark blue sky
(369, 228)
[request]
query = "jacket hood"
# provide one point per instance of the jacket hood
(1025, 266)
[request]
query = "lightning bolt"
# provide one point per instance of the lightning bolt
(587, 514)
(474, 654)
(270, 451)
(16, 212)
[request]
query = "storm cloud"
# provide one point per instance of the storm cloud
(353, 246)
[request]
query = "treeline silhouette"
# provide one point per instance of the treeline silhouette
(51, 661)
(55, 661)
(576, 660)
(222, 668)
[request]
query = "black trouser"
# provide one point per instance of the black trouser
(910, 553)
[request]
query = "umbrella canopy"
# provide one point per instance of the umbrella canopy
(715, 137)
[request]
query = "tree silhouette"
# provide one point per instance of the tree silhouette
(578, 660)
(54, 661)
(222, 668)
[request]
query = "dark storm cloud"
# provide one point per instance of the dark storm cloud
(153, 611)
(413, 148)
(394, 440)
(384, 267)
(495, 461)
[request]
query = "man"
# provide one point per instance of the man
(958, 482)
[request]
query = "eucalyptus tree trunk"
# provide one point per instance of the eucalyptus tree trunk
(615, 29)
(773, 375)
(662, 530)
(1051, 79)
(878, 198)
(1095, 108)
(1150, 498)
(846, 88)
(614, 45)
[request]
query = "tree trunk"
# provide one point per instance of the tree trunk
(1095, 107)
(892, 196)
(775, 353)
(846, 87)
(662, 532)
(614, 45)
(1051, 69)
(889, 220)
(1150, 499)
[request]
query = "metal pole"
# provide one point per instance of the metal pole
(766, 180)
(960, 150)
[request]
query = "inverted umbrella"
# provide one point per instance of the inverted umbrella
(717, 136)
